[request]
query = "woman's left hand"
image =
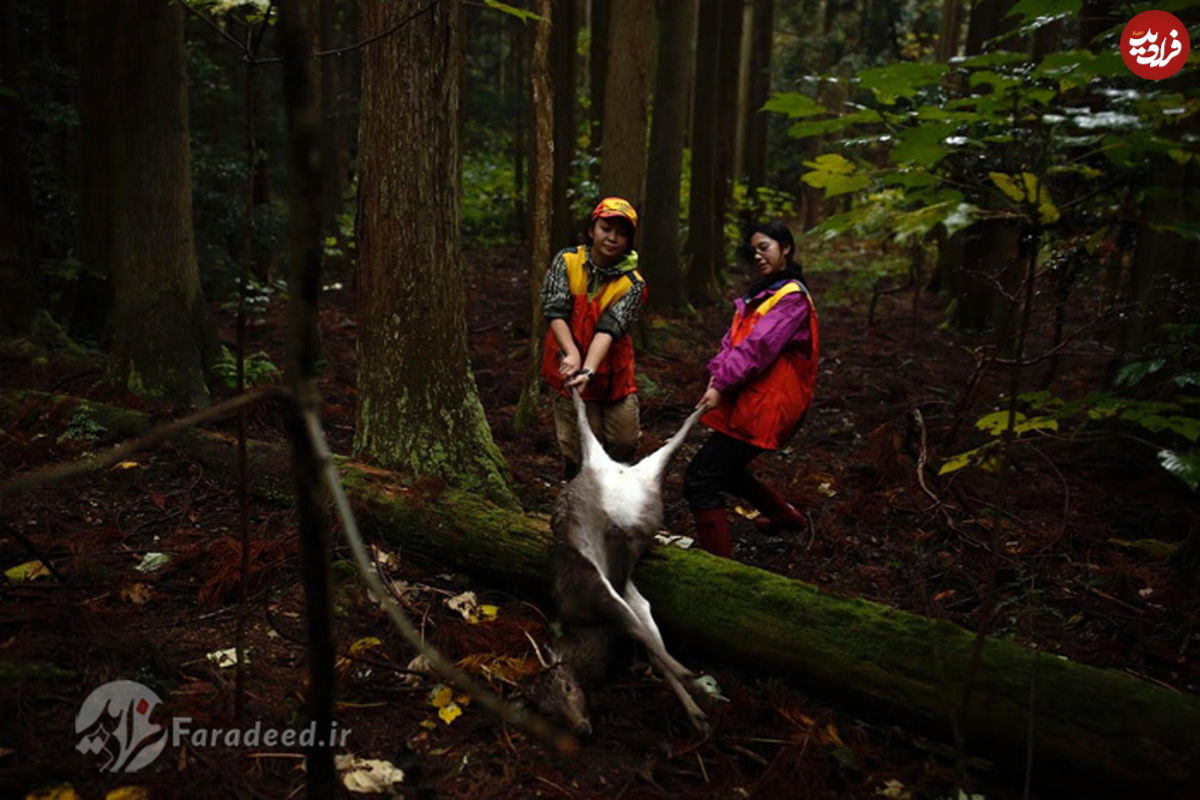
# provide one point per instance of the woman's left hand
(710, 399)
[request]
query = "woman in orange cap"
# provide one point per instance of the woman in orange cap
(591, 296)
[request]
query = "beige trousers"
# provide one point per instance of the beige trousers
(615, 425)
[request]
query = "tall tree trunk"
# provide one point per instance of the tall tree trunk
(760, 87)
(743, 96)
(544, 172)
(91, 310)
(598, 68)
(304, 289)
(22, 294)
(626, 100)
(159, 336)
(563, 37)
(702, 237)
(333, 178)
(950, 36)
(730, 56)
(672, 82)
(418, 406)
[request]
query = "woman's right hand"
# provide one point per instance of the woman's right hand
(569, 364)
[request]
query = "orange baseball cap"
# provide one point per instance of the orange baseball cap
(615, 207)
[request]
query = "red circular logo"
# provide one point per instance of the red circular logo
(1155, 45)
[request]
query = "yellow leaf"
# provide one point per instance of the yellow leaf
(441, 696)
(487, 613)
(428, 724)
(57, 793)
(125, 465)
(137, 593)
(449, 713)
(1027, 192)
(128, 793)
(364, 644)
(830, 736)
(28, 571)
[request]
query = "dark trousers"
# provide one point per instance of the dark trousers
(718, 466)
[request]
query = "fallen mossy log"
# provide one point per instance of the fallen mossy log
(1100, 721)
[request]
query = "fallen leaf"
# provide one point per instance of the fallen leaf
(137, 593)
(160, 501)
(153, 561)
(363, 645)
(937, 598)
(125, 465)
(441, 696)
(30, 570)
(57, 793)
(223, 658)
(449, 713)
(368, 775)
(128, 793)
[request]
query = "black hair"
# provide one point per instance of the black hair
(781, 233)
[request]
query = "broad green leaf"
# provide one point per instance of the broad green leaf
(922, 145)
(802, 130)
(794, 104)
(909, 178)
(994, 59)
(1031, 9)
(963, 216)
(835, 174)
(1183, 228)
(996, 422)
(900, 80)
(1037, 424)
(519, 13)
(1134, 372)
(1185, 466)
(1026, 192)
(955, 463)
(1187, 427)
(999, 83)
(1187, 379)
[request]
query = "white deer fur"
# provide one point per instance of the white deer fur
(603, 522)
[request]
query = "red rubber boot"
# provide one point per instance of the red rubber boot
(712, 531)
(777, 514)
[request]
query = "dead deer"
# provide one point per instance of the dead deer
(604, 520)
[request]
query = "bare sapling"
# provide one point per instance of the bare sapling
(604, 520)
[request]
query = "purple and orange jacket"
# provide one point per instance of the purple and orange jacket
(767, 366)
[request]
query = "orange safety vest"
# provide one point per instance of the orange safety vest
(767, 410)
(614, 377)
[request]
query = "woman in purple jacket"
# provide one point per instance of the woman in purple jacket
(759, 389)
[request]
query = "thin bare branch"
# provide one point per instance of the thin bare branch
(121, 452)
(535, 725)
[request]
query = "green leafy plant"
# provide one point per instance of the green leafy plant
(259, 368)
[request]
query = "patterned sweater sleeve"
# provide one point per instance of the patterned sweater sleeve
(556, 292)
(620, 316)
(783, 324)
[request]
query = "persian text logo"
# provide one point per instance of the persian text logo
(1155, 45)
(114, 722)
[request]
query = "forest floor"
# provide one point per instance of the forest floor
(1074, 543)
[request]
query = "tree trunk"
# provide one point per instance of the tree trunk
(951, 31)
(159, 337)
(760, 88)
(730, 56)
(626, 100)
(333, 179)
(19, 276)
(418, 406)
(660, 261)
(563, 37)
(702, 238)
(598, 69)
(894, 665)
(304, 288)
(544, 172)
